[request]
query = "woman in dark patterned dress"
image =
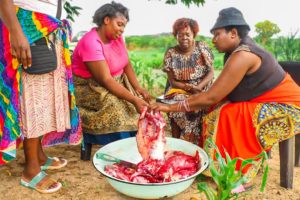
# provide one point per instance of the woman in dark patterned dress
(189, 66)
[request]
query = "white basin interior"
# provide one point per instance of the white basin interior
(126, 149)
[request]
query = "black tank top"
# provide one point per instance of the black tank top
(265, 78)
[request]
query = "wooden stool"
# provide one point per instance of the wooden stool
(289, 150)
(286, 154)
(297, 150)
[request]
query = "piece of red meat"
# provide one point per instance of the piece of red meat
(150, 137)
(119, 171)
(178, 166)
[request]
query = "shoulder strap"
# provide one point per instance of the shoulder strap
(59, 8)
(242, 47)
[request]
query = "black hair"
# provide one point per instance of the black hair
(109, 10)
(242, 30)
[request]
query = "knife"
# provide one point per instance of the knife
(109, 158)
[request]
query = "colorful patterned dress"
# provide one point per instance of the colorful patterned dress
(190, 69)
(51, 112)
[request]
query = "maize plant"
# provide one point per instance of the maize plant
(227, 178)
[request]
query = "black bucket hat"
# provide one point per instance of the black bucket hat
(230, 17)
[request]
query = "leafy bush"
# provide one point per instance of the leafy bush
(152, 58)
(287, 48)
(226, 177)
(150, 41)
(153, 80)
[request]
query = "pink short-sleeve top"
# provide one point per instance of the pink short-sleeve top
(91, 48)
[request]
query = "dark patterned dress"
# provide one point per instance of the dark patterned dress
(191, 69)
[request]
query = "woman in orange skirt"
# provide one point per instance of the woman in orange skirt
(254, 102)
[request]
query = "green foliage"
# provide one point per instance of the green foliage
(150, 41)
(152, 58)
(153, 80)
(226, 177)
(71, 10)
(287, 48)
(218, 60)
(187, 2)
(266, 30)
(151, 48)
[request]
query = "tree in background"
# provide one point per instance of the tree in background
(266, 30)
(71, 10)
(187, 2)
(74, 10)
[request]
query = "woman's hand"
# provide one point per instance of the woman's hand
(160, 107)
(139, 104)
(197, 89)
(145, 94)
(20, 48)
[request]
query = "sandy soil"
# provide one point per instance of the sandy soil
(82, 181)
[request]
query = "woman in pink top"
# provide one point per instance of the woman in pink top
(109, 96)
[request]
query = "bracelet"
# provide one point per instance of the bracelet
(186, 106)
(179, 106)
(183, 104)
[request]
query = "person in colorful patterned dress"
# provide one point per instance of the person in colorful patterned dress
(36, 108)
(255, 103)
(189, 66)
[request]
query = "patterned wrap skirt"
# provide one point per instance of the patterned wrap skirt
(102, 112)
(189, 123)
(44, 102)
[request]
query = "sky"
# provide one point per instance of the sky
(154, 16)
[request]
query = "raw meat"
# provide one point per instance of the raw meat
(151, 140)
(158, 165)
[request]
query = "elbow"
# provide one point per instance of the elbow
(211, 100)
(104, 81)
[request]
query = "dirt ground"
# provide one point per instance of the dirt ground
(82, 181)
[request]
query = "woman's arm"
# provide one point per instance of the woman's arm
(129, 71)
(178, 84)
(101, 74)
(208, 58)
(206, 80)
(19, 43)
(234, 70)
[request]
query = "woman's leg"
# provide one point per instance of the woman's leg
(42, 157)
(32, 164)
(41, 154)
